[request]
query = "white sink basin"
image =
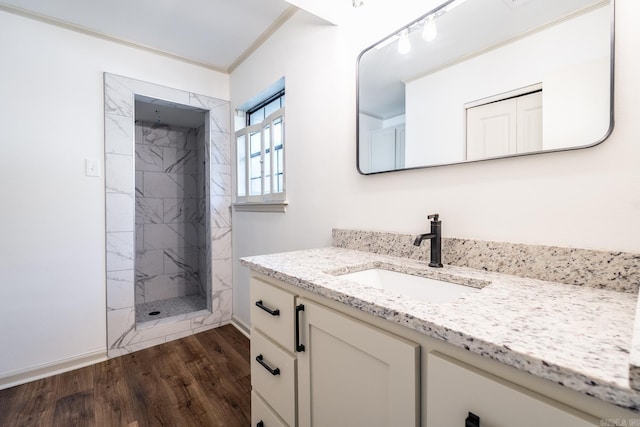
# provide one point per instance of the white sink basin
(422, 288)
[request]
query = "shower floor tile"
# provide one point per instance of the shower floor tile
(170, 307)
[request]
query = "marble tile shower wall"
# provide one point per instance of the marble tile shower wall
(204, 231)
(123, 334)
(170, 211)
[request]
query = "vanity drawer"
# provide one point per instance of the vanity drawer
(275, 378)
(262, 413)
(272, 312)
(454, 390)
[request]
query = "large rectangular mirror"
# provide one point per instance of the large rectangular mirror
(484, 79)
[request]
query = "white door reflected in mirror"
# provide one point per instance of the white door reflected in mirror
(505, 127)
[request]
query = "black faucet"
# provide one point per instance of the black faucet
(436, 241)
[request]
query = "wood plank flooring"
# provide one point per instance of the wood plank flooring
(200, 380)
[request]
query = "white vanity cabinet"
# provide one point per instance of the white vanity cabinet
(457, 392)
(353, 374)
(357, 369)
(312, 366)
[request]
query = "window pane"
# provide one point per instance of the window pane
(278, 148)
(256, 117)
(277, 132)
(242, 166)
(266, 134)
(254, 144)
(271, 107)
(256, 187)
(279, 170)
(255, 171)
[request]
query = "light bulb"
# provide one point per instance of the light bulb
(430, 31)
(404, 45)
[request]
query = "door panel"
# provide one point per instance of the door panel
(352, 374)
(491, 130)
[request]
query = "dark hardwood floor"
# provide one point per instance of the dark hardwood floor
(200, 380)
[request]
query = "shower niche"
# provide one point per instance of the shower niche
(168, 213)
(172, 271)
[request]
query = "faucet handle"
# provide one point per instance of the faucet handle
(433, 217)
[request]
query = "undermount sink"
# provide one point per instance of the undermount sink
(408, 285)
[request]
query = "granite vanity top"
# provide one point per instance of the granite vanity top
(576, 336)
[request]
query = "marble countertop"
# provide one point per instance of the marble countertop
(575, 336)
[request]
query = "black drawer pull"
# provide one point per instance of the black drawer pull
(299, 347)
(260, 424)
(472, 420)
(261, 361)
(275, 312)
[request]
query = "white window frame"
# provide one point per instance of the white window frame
(268, 200)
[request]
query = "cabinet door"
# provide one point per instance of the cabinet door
(387, 148)
(352, 374)
(505, 127)
(383, 150)
(491, 130)
(529, 123)
(455, 389)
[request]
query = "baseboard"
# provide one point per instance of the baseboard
(23, 376)
(241, 326)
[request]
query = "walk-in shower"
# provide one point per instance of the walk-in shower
(168, 220)
(171, 195)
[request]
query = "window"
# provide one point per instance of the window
(260, 157)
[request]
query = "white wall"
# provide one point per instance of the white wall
(435, 103)
(586, 198)
(52, 222)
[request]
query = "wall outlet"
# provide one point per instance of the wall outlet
(92, 167)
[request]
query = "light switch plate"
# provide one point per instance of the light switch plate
(92, 167)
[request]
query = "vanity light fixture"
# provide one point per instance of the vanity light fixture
(404, 45)
(357, 3)
(430, 30)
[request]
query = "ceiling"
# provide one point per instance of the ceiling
(214, 33)
(217, 34)
(162, 112)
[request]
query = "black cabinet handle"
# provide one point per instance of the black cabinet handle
(260, 424)
(275, 312)
(299, 347)
(472, 420)
(273, 371)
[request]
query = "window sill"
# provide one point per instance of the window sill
(261, 206)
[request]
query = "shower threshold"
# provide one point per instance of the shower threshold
(156, 310)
